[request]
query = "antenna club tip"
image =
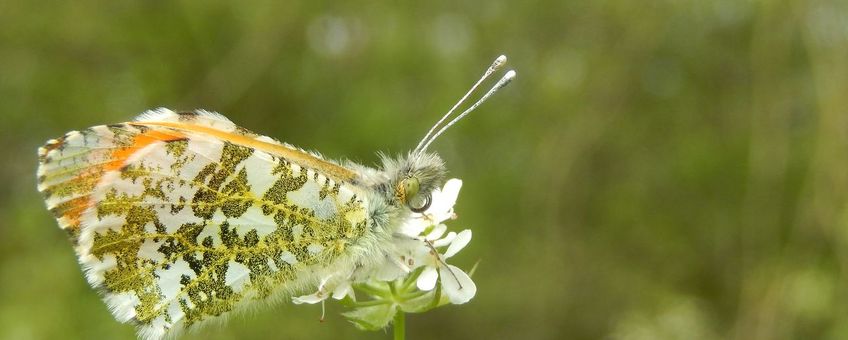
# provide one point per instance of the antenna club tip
(510, 74)
(500, 61)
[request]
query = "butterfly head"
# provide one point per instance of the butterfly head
(413, 179)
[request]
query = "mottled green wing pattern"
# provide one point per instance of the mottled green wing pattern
(176, 227)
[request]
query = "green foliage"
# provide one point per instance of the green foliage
(660, 169)
(388, 298)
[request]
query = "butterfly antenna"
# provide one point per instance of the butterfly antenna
(505, 80)
(496, 65)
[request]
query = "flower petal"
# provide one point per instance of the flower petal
(323, 282)
(389, 271)
(414, 226)
(437, 232)
(457, 285)
(445, 240)
(443, 201)
(309, 299)
(427, 279)
(459, 242)
(342, 290)
(450, 192)
(422, 256)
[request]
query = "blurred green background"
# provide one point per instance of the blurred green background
(664, 170)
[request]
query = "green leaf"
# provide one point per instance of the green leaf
(372, 318)
(423, 302)
(418, 303)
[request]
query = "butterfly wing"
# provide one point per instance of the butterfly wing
(180, 218)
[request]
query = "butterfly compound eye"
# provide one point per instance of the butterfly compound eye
(408, 193)
(410, 187)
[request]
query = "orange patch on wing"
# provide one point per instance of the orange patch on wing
(140, 141)
(72, 210)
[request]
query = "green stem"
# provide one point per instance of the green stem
(399, 325)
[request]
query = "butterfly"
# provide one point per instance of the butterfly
(180, 218)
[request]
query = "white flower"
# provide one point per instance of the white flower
(456, 284)
(313, 298)
(338, 291)
(403, 260)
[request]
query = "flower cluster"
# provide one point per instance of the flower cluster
(414, 277)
